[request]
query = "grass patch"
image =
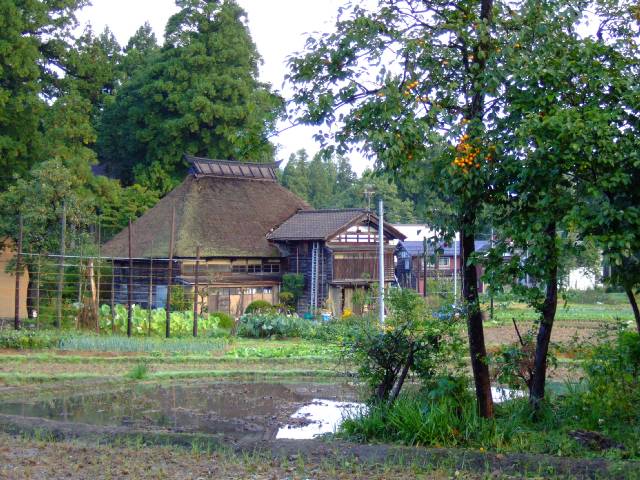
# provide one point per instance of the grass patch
(95, 343)
(505, 312)
(282, 349)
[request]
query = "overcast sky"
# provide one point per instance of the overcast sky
(278, 27)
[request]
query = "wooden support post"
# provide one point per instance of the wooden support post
(39, 269)
(195, 293)
(113, 296)
(130, 288)
(93, 293)
(63, 235)
(170, 272)
(99, 279)
(150, 297)
(16, 320)
(80, 279)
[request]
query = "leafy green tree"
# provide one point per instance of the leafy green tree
(34, 36)
(561, 134)
(429, 109)
(200, 95)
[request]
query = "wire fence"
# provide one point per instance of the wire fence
(77, 287)
(160, 296)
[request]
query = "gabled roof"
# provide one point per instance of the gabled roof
(227, 168)
(226, 216)
(324, 224)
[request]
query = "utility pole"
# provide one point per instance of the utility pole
(491, 285)
(455, 270)
(381, 253)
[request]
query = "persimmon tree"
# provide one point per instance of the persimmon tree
(566, 137)
(490, 104)
(414, 84)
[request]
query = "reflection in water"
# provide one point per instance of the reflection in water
(318, 417)
(234, 409)
(502, 394)
(239, 409)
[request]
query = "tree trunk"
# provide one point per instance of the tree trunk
(475, 329)
(634, 306)
(403, 375)
(538, 380)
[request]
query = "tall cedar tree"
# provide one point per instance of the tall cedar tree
(35, 37)
(197, 95)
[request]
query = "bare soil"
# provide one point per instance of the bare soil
(563, 332)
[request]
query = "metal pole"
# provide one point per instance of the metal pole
(381, 253)
(130, 287)
(424, 266)
(61, 271)
(170, 273)
(455, 270)
(491, 284)
(16, 320)
(195, 293)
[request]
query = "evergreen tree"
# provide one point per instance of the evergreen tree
(34, 37)
(200, 95)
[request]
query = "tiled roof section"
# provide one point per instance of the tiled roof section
(205, 167)
(415, 248)
(316, 224)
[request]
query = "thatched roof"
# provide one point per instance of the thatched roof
(325, 224)
(226, 216)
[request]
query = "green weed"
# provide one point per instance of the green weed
(140, 371)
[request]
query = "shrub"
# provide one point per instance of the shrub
(259, 306)
(612, 391)
(224, 320)
(271, 324)
(292, 283)
(180, 301)
(413, 340)
(30, 339)
(287, 298)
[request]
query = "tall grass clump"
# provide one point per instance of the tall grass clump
(140, 371)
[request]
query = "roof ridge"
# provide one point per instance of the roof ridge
(194, 158)
(333, 210)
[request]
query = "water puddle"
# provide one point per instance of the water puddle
(317, 418)
(236, 409)
(503, 394)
